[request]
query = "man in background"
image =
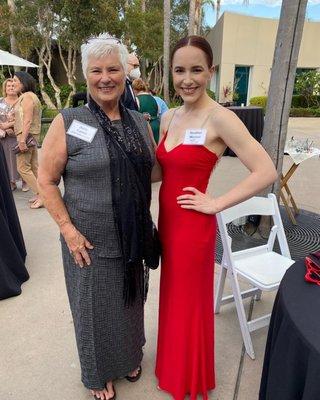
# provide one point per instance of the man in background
(133, 72)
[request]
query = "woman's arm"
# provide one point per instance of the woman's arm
(52, 165)
(262, 171)
(27, 111)
(6, 125)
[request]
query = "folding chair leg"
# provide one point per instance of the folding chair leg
(258, 295)
(241, 315)
(219, 290)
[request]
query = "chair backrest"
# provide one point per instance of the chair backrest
(254, 206)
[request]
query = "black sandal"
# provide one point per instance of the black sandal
(111, 398)
(135, 378)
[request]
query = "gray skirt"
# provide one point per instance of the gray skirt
(109, 335)
(8, 143)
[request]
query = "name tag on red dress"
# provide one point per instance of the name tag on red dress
(195, 136)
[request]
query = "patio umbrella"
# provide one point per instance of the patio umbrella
(7, 58)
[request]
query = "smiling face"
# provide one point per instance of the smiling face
(191, 73)
(10, 88)
(18, 86)
(105, 79)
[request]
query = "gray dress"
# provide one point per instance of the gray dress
(109, 335)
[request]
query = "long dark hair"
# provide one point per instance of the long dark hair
(28, 81)
(196, 41)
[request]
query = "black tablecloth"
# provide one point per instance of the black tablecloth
(253, 119)
(12, 249)
(291, 369)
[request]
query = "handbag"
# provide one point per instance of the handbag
(30, 142)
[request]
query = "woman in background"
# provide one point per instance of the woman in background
(8, 138)
(27, 122)
(147, 106)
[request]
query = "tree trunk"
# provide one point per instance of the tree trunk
(48, 102)
(218, 7)
(13, 43)
(198, 18)
(166, 49)
(282, 82)
(192, 14)
(143, 60)
(70, 68)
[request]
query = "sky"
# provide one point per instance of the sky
(260, 8)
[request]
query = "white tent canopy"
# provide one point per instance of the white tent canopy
(7, 58)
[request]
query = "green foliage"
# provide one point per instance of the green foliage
(48, 113)
(259, 101)
(211, 94)
(65, 90)
(300, 101)
(308, 86)
(305, 112)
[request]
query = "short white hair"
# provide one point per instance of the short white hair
(102, 46)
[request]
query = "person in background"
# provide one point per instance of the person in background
(133, 72)
(147, 106)
(8, 138)
(27, 122)
(161, 103)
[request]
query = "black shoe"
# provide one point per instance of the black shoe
(135, 378)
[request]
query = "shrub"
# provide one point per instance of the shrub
(48, 113)
(304, 112)
(298, 101)
(259, 101)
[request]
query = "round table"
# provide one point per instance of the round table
(291, 369)
(12, 249)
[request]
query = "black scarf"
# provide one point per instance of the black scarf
(130, 169)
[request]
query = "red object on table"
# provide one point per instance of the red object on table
(313, 268)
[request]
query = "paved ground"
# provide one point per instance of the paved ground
(38, 358)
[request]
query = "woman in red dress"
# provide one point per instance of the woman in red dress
(194, 137)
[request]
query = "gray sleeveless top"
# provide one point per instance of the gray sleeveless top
(87, 182)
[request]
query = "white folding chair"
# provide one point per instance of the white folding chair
(260, 266)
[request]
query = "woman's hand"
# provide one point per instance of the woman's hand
(198, 201)
(10, 132)
(77, 245)
(22, 146)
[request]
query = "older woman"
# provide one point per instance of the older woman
(27, 123)
(105, 154)
(7, 136)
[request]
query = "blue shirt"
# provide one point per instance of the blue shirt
(162, 105)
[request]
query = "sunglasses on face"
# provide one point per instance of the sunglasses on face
(312, 263)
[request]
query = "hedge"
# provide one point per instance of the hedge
(304, 112)
(298, 101)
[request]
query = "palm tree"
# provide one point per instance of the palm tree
(282, 81)
(192, 14)
(13, 42)
(166, 49)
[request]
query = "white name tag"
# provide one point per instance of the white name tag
(195, 136)
(82, 131)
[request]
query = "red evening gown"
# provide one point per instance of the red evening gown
(185, 354)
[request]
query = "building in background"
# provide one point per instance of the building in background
(243, 48)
